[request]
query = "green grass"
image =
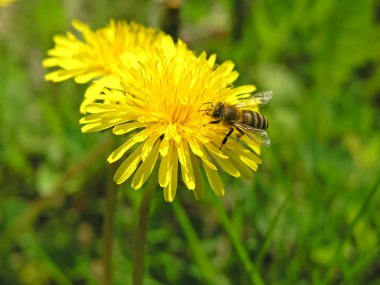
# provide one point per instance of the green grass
(309, 215)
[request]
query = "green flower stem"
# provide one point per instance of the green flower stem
(210, 276)
(108, 228)
(141, 232)
(240, 8)
(171, 17)
(242, 253)
(269, 235)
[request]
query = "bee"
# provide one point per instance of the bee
(240, 118)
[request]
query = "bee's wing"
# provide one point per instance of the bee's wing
(258, 135)
(257, 99)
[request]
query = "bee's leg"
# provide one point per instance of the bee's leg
(226, 137)
(240, 134)
(212, 123)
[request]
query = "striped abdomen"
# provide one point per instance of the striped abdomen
(253, 119)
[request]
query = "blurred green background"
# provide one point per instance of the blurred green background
(309, 216)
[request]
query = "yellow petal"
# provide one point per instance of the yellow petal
(146, 167)
(99, 108)
(214, 180)
(168, 46)
(84, 78)
(253, 156)
(130, 60)
(206, 160)
(59, 75)
(109, 81)
(186, 165)
(164, 147)
(80, 26)
(93, 89)
(95, 127)
(232, 77)
(226, 67)
(106, 120)
(252, 144)
(171, 188)
(195, 146)
(126, 128)
(226, 165)
(83, 105)
(244, 170)
(199, 188)
(128, 166)
(148, 145)
(119, 152)
(50, 62)
(245, 89)
(90, 119)
(211, 60)
(213, 149)
(164, 171)
(251, 163)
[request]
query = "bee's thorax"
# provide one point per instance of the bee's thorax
(231, 114)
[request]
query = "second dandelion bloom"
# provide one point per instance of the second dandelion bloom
(97, 53)
(160, 105)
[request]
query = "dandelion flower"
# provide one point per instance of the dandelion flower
(158, 108)
(98, 53)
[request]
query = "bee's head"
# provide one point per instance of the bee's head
(217, 111)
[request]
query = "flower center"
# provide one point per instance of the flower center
(180, 114)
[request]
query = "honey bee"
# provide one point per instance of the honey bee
(245, 121)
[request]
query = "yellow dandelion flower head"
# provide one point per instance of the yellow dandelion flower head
(98, 53)
(158, 104)
(5, 3)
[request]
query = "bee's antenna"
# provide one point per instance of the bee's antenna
(207, 109)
